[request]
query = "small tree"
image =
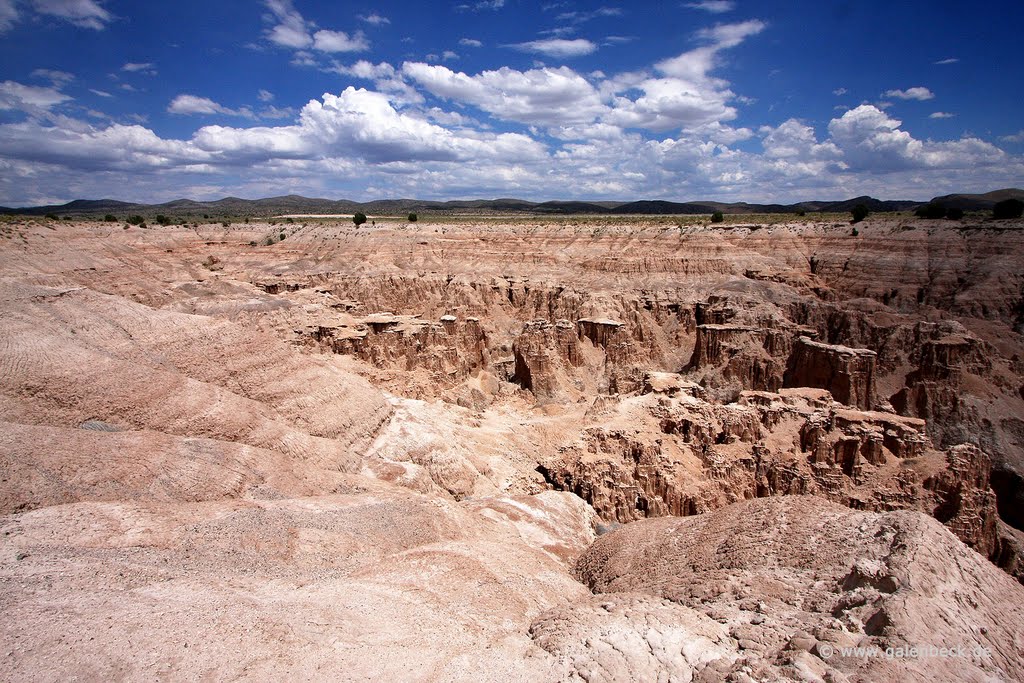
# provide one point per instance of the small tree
(162, 219)
(413, 218)
(859, 213)
(1008, 208)
(110, 218)
(136, 220)
(359, 218)
(717, 217)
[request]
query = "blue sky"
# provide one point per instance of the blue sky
(729, 100)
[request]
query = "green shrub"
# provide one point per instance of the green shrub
(359, 218)
(413, 218)
(52, 217)
(110, 218)
(930, 211)
(136, 220)
(162, 219)
(717, 217)
(1008, 208)
(954, 214)
(859, 213)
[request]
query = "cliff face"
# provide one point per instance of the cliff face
(449, 350)
(848, 374)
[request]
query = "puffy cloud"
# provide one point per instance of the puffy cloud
(192, 104)
(941, 115)
(558, 47)
(291, 29)
(85, 148)
(470, 42)
(1016, 137)
(365, 123)
(686, 95)
(916, 93)
(375, 19)
(539, 96)
(871, 140)
(338, 41)
(22, 97)
(713, 6)
(795, 140)
(731, 35)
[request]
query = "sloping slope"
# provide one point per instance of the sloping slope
(795, 580)
(69, 355)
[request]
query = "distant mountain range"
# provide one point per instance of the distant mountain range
(295, 204)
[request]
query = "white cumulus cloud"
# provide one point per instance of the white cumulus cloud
(539, 96)
(290, 29)
(916, 93)
(14, 95)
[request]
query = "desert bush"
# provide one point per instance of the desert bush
(110, 218)
(413, 218)
(282, 236)
(1008, 208)
(717, 217)
(136, 220)
(930, 211)
(162, 219)
(359, 219)
(52, 217)
(859, 213)
(954, 214)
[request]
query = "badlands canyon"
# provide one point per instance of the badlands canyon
(513, 448)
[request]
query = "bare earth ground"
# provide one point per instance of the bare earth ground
(512, 449)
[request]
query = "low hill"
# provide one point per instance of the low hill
(297, 204)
